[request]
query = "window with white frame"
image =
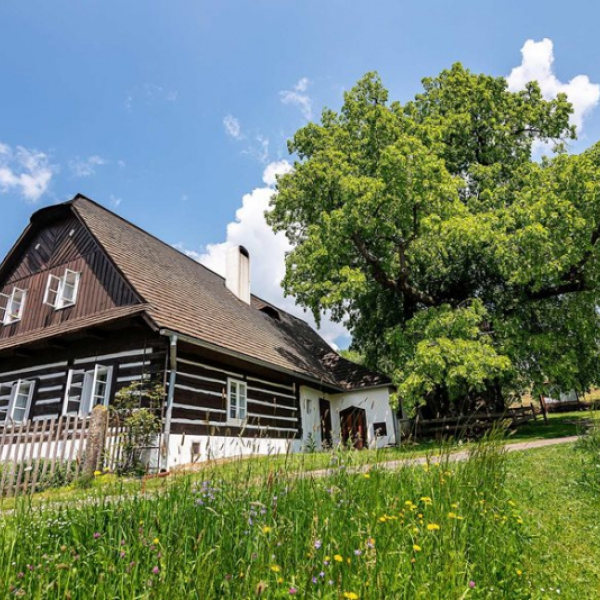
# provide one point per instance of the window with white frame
(86, 389)
(20, 401)
(12, 306)
(6, 390)
(62, 291)
(236, 400)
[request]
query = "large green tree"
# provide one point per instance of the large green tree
(461, 266)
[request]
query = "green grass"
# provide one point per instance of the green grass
(519, 525)
(559, 425)
(421, 533)
(561, 514)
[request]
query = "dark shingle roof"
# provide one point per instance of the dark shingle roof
(182, 295)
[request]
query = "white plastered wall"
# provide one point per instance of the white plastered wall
(215, 447)
(375, 402)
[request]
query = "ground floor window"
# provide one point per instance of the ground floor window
(15, 399)
(86, 389)
(236, 400)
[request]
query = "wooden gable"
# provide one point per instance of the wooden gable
(50, 249)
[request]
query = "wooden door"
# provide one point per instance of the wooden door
(325, 418)
(354, 426)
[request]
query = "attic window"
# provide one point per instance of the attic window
(62, 291)
(12, 306)
(271, 312)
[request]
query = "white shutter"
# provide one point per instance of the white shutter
(21, 401)
(70, 285)
(16, 305)
(51, 295)
(73, 392)
(6, 391)
(4, 302)
(242, 400)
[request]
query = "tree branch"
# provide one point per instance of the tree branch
(401, 285)
(574, 279)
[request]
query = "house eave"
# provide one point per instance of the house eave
(255, 361)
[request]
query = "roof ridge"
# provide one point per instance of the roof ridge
(80, 196)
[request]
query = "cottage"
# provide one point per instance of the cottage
(90, 303)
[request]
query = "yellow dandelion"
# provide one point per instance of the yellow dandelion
(156, 541)
(96, 473)
(519, 572)
(351, 595)
(417, 548)
(366, 475)
(426, 500)
(266, 529)
(280, 580)
(432, 527)
(338, 558)
(275, 568)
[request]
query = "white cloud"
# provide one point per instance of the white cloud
(84, 167)
(232, 127)
(280, 167)
(259, 149)
(537, 65)
(267, 251)
(298, 97)
(150, 93)
(28, 172)
(114, 201)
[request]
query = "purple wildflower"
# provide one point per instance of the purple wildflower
(357, 552)
(471, 584)
(122, 554)
(97, 535)
(156, 570)
(314, 579)
(293, 591)
(321, 574)
(317, 544)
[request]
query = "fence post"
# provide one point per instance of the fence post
(96, 440)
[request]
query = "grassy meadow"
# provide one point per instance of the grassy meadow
(519, 525)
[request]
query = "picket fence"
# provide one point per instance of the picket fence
(41, 453)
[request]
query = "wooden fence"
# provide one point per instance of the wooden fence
(39, 454)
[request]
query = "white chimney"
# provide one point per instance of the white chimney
(238, 273)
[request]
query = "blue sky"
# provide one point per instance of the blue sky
(170, 112)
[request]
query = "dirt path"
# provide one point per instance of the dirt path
(388, 465)
(452, 457)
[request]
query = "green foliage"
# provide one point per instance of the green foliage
(461, 265)
(589, 444)
(136, 408)
(353, 356)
